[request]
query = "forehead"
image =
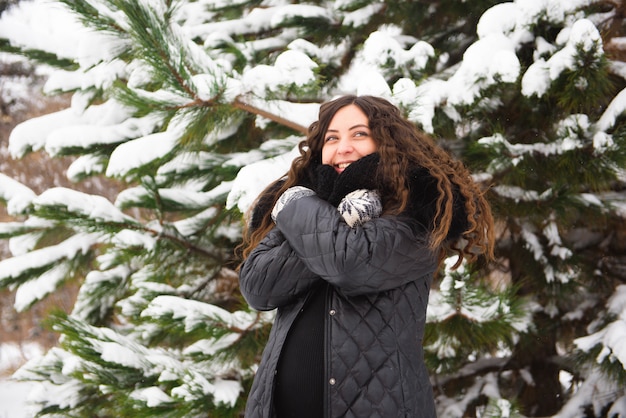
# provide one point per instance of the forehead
(347, 115)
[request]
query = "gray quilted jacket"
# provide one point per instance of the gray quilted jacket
(379, 276)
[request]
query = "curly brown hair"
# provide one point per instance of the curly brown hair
(401, 146)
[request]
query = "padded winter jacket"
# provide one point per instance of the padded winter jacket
(379, 277)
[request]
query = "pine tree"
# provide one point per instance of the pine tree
(194, 106)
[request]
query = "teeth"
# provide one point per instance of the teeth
(343, 165)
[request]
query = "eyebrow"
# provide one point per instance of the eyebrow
(360, 125)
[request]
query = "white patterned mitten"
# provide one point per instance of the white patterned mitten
(360, 206)
(289, 195)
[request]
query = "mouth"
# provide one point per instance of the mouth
(342, 166)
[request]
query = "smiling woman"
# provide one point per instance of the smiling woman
(345, 246)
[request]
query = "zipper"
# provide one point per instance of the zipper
(327, 338)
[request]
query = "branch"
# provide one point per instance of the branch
(487, 365)
(478, 367)
(240, 104)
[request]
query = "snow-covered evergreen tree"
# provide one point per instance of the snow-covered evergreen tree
(196, 105)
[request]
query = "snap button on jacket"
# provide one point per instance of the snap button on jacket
(379, 277)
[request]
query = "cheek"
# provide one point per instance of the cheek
(370, 147)
(326, 155)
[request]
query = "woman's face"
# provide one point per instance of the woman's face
(347, 139)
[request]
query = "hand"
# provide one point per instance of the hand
(289, 195)
(360, 206)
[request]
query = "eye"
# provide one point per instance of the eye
(330, 138)
(361, 133)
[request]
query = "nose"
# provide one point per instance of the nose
(344, 146)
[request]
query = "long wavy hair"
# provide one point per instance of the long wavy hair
(401, 146)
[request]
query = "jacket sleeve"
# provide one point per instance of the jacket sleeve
(273, 275)
(382, 254)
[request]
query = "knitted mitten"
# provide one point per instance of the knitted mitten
(360, 206)
(361, 174)
(289, 195)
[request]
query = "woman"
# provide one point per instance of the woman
(345, 246)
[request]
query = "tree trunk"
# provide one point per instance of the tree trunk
(543, 396)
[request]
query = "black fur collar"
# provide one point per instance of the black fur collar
(364, 174)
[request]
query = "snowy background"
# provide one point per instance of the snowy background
(488, 61)
(13, 399)
(13, 394)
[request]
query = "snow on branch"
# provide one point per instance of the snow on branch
(517, 151)
(77, 127)
(82, 205)
(582, 36)
(13, 267)
(613, 336)
(18, 196)
(198, 314)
